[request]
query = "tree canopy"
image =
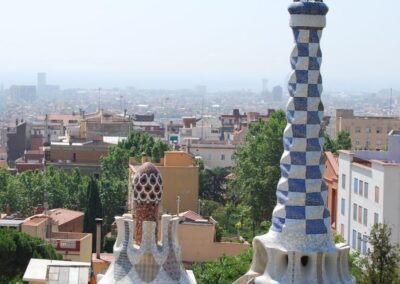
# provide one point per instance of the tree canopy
(25, 191)
(93, 210)
(16, 249)
(257, 171)
(213, 183)
(383, 259)
(224, 270)
(341, 142)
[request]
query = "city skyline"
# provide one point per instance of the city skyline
(225, 45)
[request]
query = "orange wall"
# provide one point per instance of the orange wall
(75, 225)
(182, 181)
(197, 243)
(177, 159)
(82, 155)
(331, 180)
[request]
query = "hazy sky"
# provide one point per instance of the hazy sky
(224, 44)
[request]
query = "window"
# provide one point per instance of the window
(222, 157)
(366, 189)
(343, 181)
(232, 157)
(354, 242)
(354, 212)
(357, 142)
(343, 206)
(361, 188)
(359, 241)
(358, 129)
(364, 245)
(360, 212)
(368, 130)
(342, 230)
(379, 130)
(376, 218)
(365, 219)
(377, 194)
(355, 185)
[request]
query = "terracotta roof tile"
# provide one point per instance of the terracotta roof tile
(192, 216)
(62, 216)
(35, 220)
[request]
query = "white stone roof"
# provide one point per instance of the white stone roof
(37, 269)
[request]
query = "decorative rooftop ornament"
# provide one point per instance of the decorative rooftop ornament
(147, 190)
(299, 246)
(137, 256)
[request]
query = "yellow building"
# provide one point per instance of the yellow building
(73, 246)
(180, 179)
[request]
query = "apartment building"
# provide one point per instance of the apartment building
(205, 128)
(213, 153)
(367, 132)
(102, 123)
(83, 155)
(369, 193)
(18, 140)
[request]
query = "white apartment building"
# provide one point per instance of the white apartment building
(207, 128)
(213, 154)
(369, 193)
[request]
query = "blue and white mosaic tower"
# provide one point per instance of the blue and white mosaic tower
(299, 246)
(302, 193)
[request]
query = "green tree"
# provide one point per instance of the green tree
(108, 244)
(77, 190)
(158, 150)
(356, 267)
(16, 249)
(93, 210)
(257, 171)
(225, 270)
(213, 184)
(382, 262)
(341, 142)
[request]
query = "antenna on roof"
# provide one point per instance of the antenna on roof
(99, 92)
(202, 117)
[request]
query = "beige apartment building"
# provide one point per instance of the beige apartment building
(367, 132)
(66, 233)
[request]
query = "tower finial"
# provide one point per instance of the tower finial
(299, 246)
(147, 190)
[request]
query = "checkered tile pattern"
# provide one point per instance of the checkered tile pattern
(122, 264)
(172, 266)
(302, 193)
(147, 268)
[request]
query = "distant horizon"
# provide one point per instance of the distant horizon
(229, 84)
(157, 44)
